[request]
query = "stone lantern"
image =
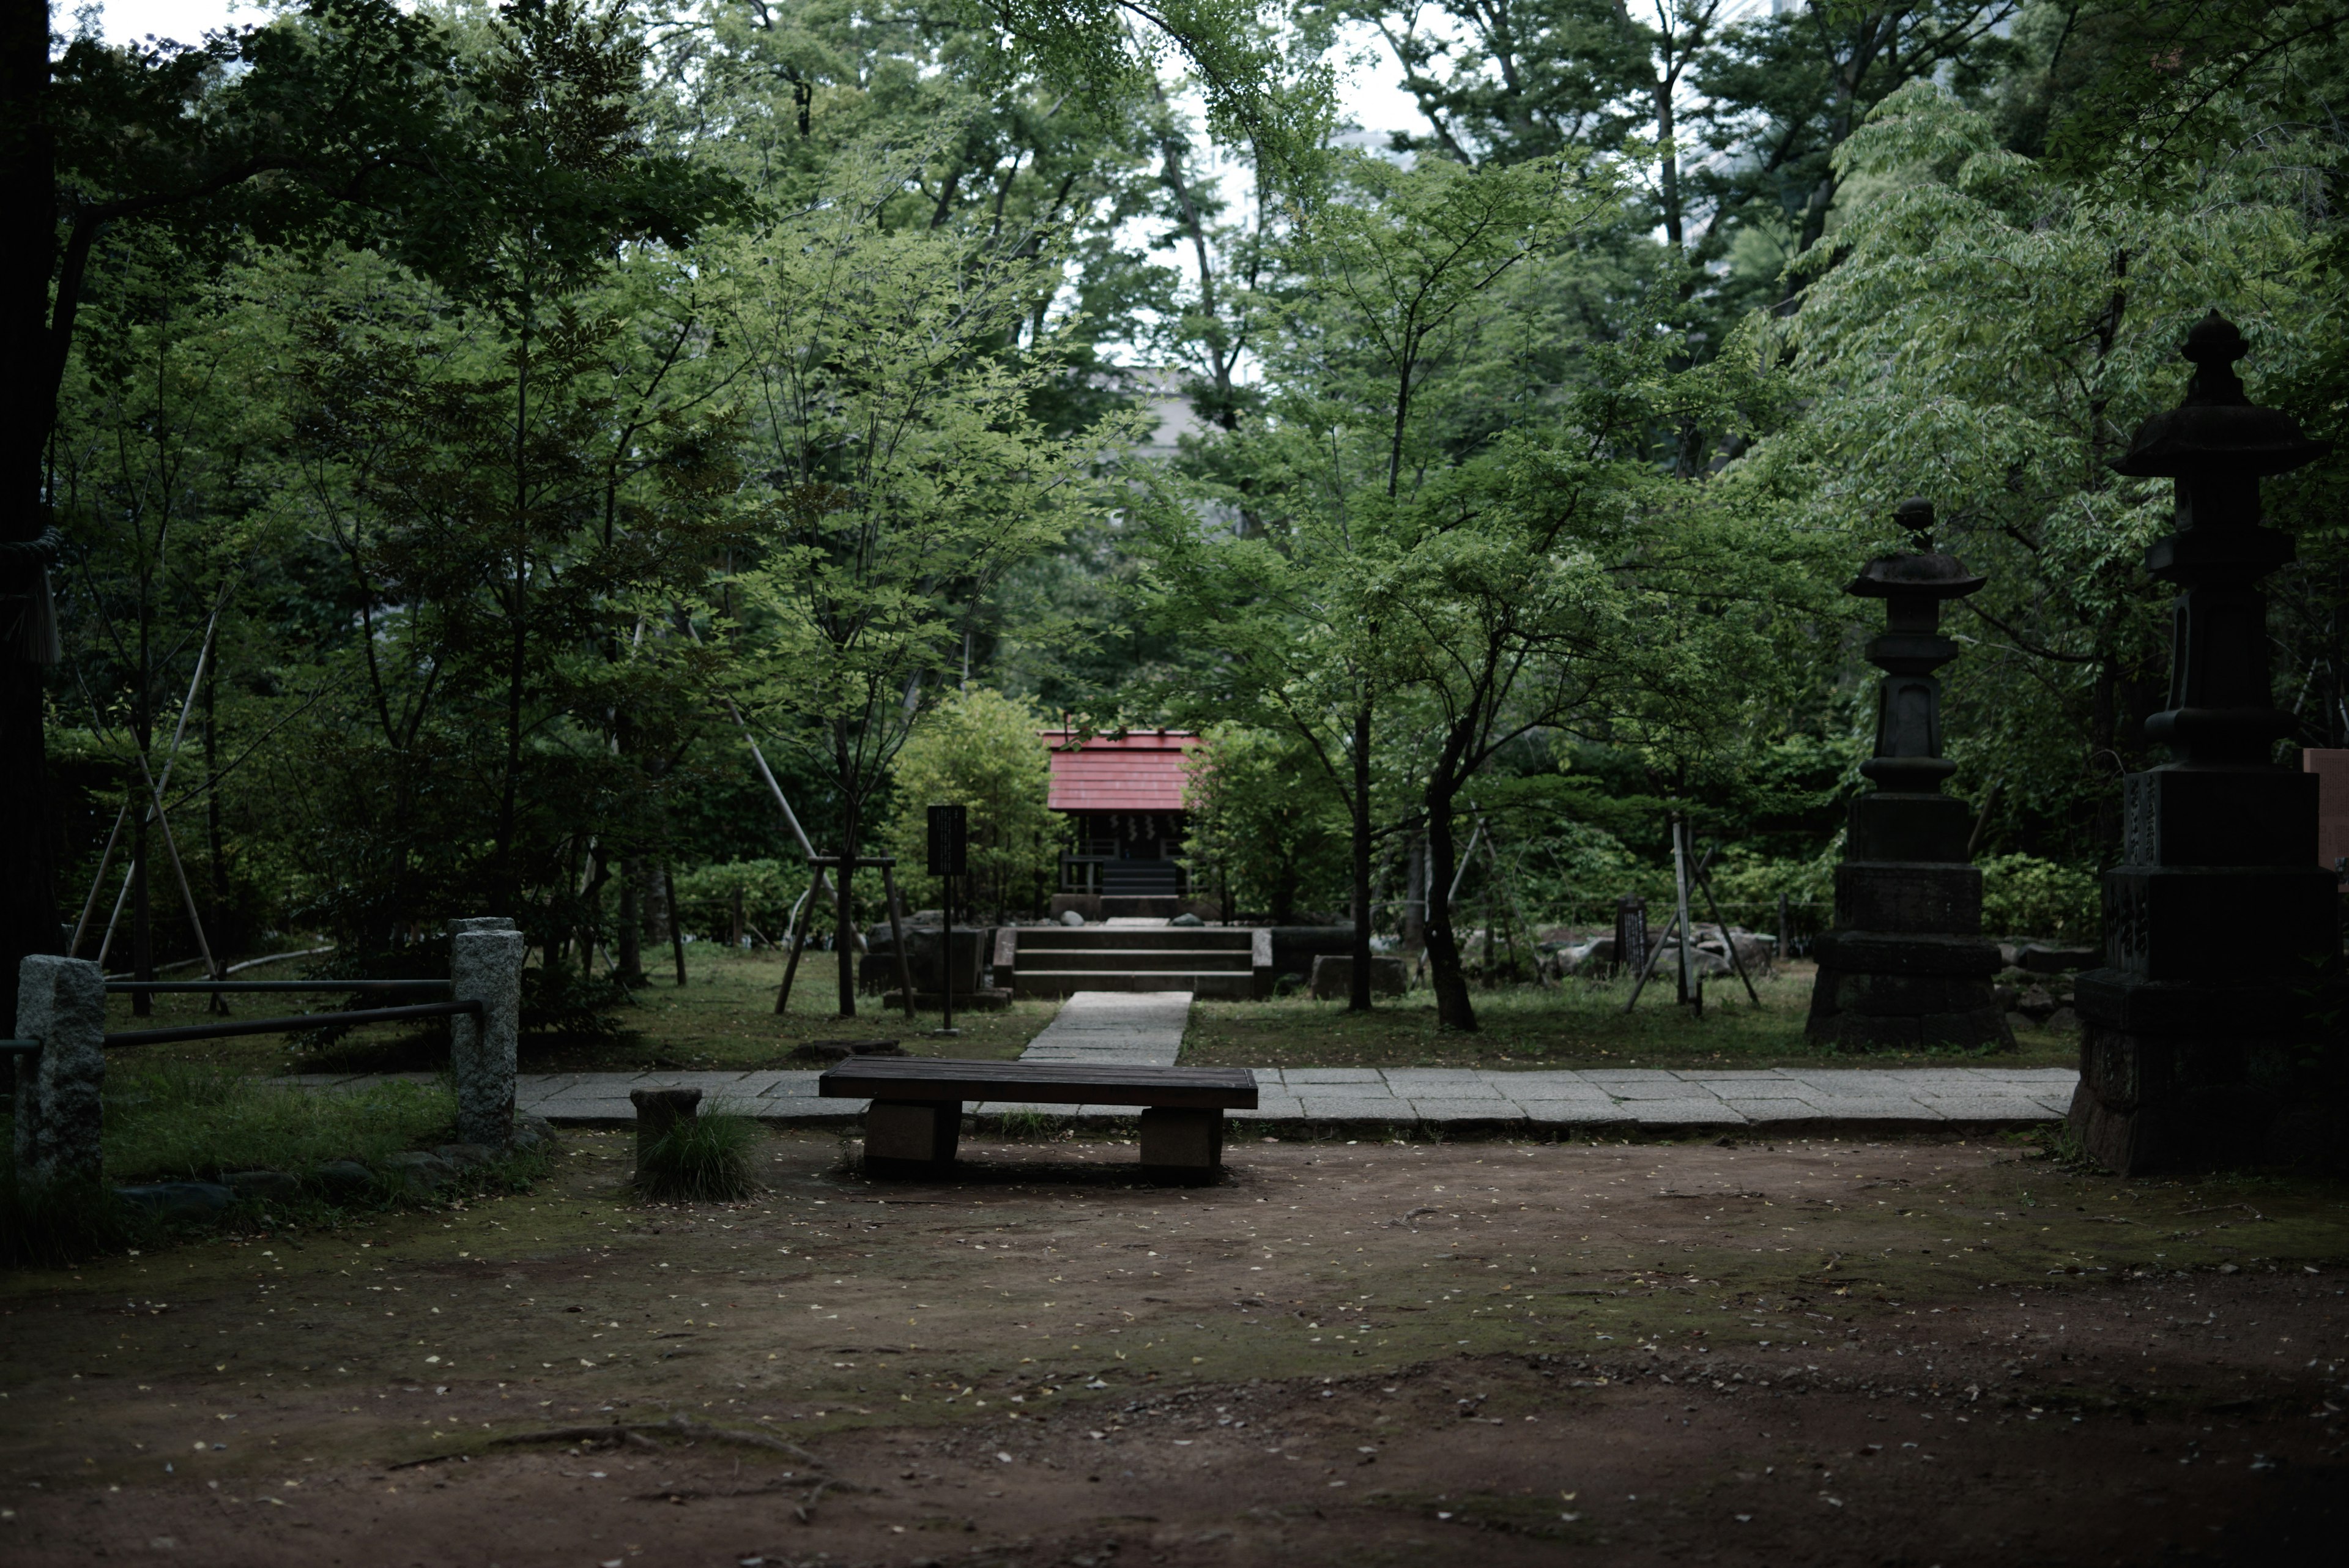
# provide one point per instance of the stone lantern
(1905, 965)
(2204, 1036)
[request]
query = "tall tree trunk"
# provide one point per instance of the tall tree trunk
(1358, 997)
(1453, 1008)
(28, 899)
(630, 938)
(142, 928)
(1414, 898)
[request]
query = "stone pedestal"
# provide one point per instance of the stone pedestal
(1906, 966)
(2211, 1037)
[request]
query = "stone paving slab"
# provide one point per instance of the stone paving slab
(1146, 1029)
(1484, 1099)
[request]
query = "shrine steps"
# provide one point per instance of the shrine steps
(1218, 963)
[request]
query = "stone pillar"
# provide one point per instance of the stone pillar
(2203, 1038)
(1630, 935)
(485, 958)
(1905, 965)
(61, 1003)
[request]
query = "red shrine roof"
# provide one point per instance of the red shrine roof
(1139, 771)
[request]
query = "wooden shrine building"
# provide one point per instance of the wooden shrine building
(1123, 796)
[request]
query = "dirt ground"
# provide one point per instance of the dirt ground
(1894, 1352)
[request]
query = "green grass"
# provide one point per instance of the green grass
(1576, 1024)
(723, 1019)
(193, 1121)
(701, 1160)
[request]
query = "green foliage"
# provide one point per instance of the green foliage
(1267, 825)
(2023, 896)
(983, 750)
(761, 893)
(184, 1121)
(704, 1158)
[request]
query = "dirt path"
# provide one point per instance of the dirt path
(1817, 1352)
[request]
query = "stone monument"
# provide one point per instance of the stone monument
(1905, 965)
(2204, 1038)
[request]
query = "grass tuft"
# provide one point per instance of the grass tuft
(701, 1160)
(51, 1224)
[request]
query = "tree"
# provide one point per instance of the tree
(983, 750)
(264, 132)
(1266, 817)
(1381, 390)
(900, 473)
(1988, 334)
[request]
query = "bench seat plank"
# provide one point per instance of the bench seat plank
(1044, 1082)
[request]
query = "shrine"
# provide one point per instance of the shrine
(1122, 797)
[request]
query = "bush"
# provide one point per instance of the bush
(759, 892)
(184, 1121)
(699, 1160)
(2023, 896)
(983, 750)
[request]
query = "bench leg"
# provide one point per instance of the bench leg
(911, 1137)
(1181, 1144)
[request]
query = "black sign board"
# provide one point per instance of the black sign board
(949, 840)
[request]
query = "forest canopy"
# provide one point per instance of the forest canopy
(486, 457)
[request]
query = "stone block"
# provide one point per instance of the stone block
(1908, 896)
(1903, 995)
(1333, 977)
(263, 1186)
(1861, 1032)
(467, 1155)
(179, 1202)
(344, 1181)
(659, 1110)
(418, 1172)
(900, 1134)
(61, 1003)
(1889, 825)
(2221, 924)
(1181, 1143)
(2173, 817)
(1917, 953)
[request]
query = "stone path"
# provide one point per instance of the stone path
(1146, 1029)
(1462, 1099)
(1130, 1028)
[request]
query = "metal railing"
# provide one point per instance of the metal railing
(224, 1031)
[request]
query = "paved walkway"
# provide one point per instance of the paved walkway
(1130, 1028)
(1146, 1029)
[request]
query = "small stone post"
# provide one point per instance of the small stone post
(658, 1110)
(2212, 1035)
(1905, 965)
(1630, 935)
(61, 1003)
(485, 956)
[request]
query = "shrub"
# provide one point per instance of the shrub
(699, 1160)
(985, 751)
(2023, 896)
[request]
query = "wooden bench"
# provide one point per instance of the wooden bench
(916, 1118)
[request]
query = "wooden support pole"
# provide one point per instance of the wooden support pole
(1704, 881)
(897, 932)
(790, 961)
